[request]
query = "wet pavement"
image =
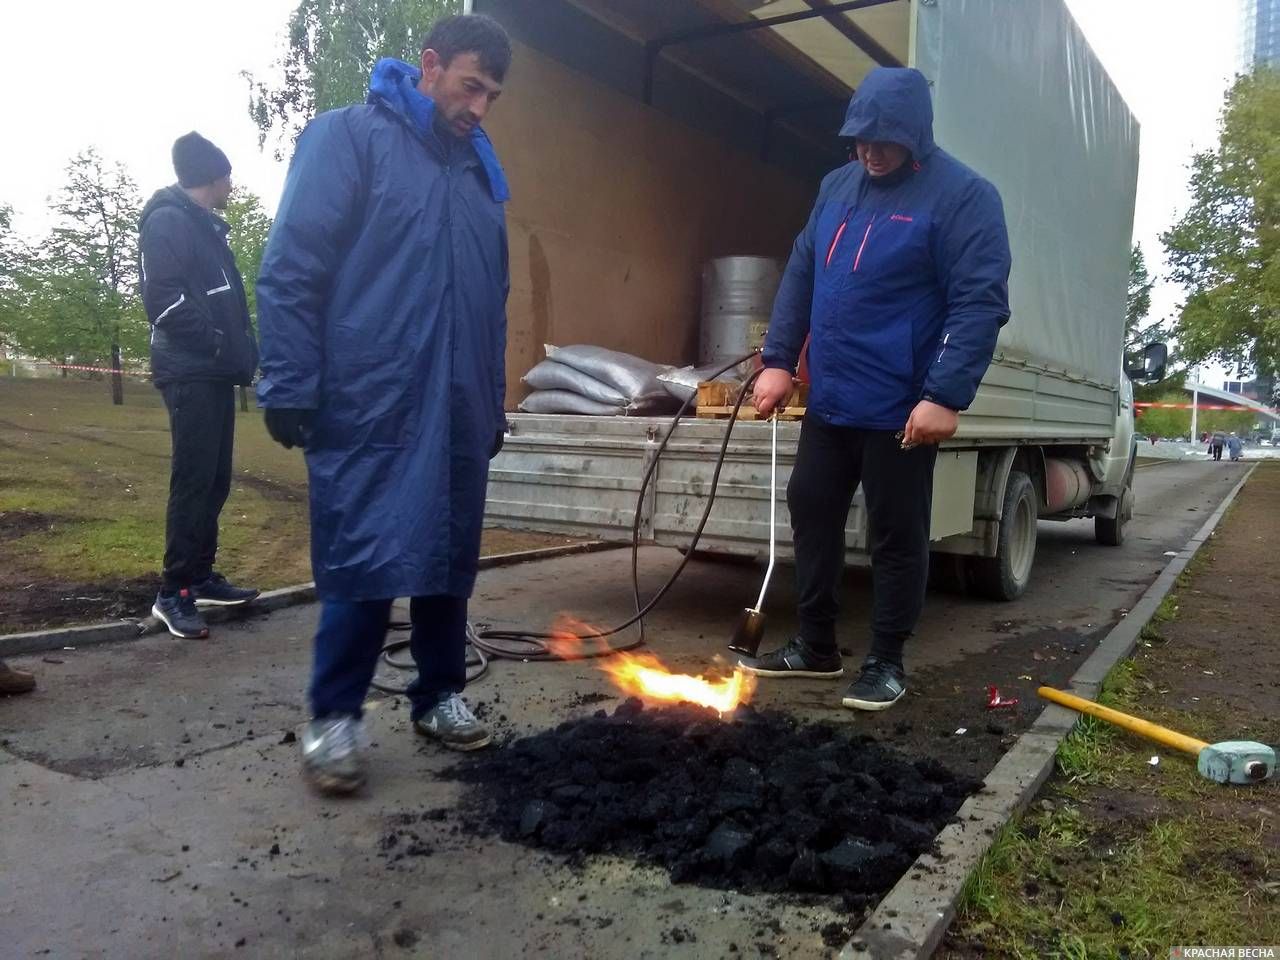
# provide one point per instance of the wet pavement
(153, 809)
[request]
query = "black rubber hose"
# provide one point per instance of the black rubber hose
(477, 663)
(537, 646)
(522, 644)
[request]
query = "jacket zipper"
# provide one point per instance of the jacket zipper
(226, 285)
(862, 246)
(835, 241)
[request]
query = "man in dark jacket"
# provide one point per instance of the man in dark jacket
(202, 347)
(900, 281)
(382, 303)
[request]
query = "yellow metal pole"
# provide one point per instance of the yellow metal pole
(1144, 728)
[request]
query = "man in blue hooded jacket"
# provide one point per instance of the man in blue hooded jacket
(900, 282)
(382, 306)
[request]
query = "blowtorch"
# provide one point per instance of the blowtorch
(750, 629)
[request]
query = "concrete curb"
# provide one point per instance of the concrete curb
(913, 917)
(41, 641)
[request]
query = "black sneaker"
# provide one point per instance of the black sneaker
(217, 592)
(178, 612)
(879, 686)
(795, 659)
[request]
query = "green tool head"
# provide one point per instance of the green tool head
(1237, 761)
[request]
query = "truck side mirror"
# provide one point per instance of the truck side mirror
(1149, 365)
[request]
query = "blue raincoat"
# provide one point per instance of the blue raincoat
(901, 282)
(382, 307)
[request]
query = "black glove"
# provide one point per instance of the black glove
(497, 444)
(289, 428)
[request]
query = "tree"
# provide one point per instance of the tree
(1225, 251)
(12, 264)
(75, 294)
(93, 252)
(1158, 422)
(248, 238)
(1175, 383)
(1139, 300)
(330, 48)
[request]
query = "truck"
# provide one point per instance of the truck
(643, 138)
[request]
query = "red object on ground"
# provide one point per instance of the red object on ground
(996, 702)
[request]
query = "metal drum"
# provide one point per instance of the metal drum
(737, 297)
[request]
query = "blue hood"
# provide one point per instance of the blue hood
(394, 84)
(893, 105)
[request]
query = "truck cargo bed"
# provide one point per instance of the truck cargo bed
(581, 475)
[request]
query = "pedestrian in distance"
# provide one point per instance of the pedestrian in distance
(382, 302)
(1235, 447)
(1216, 443)
(202, 347)
(900, 282)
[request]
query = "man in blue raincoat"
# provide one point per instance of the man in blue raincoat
(382, 308)
(900, 282)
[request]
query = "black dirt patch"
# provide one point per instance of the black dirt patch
(837, 934)
(31, 602)
(756, 802)
(15, 524)
(405, 938)
(272, 489)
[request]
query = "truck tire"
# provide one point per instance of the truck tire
(1109, 531)
(1006, 575)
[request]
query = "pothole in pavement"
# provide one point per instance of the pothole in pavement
(756, 802)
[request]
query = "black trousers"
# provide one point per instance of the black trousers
(202, 423)
(898, 486)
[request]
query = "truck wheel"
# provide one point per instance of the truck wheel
(1109, 531)
(1006, 575)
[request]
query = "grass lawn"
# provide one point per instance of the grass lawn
(1122, 858)
(83, 486)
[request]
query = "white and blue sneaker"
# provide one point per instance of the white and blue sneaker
(453, 724)
(879, 686)
(333, 755)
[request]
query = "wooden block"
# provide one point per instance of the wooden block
(716, 400)
(747, 412)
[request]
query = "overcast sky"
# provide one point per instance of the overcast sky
(130, 76)
(1173, 61)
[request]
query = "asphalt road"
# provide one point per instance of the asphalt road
(151, 809)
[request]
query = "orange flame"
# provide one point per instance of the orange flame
(643, 675)
(575, 640)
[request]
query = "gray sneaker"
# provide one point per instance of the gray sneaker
(452, 723)
(331, 754)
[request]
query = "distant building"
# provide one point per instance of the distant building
(1259, 389)
(1260, 44)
